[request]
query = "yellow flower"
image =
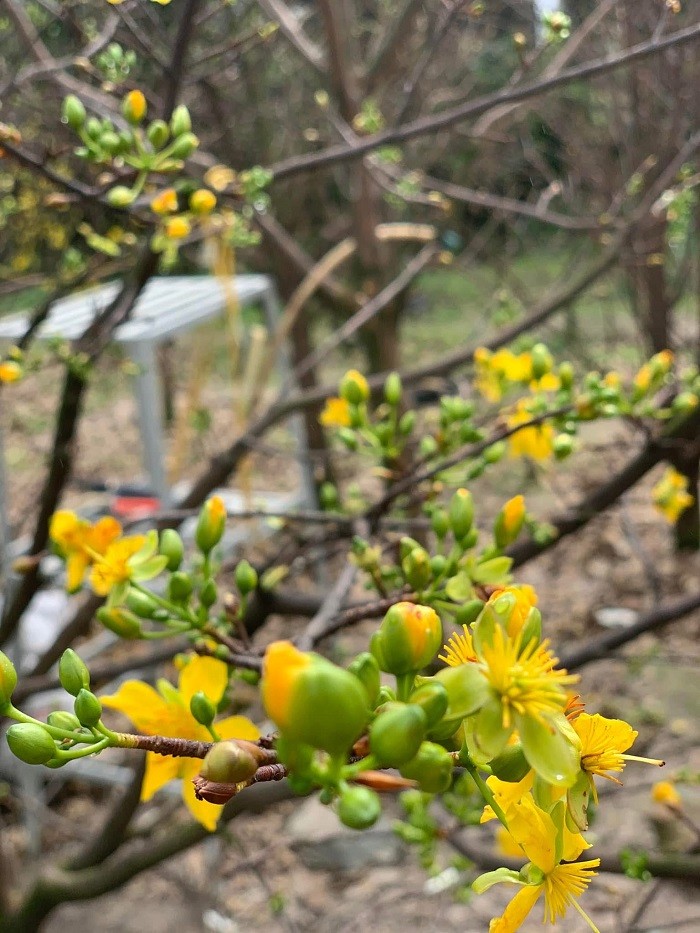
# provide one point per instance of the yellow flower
(642, 379)
(535, 441)
(506, 794)
(603, 742)
(671, 496)
(219, 177)
(665, 792)
(459, 649)
(10, 371)
(165, 202)
(202, 201)
(167, 713)
(495, 370)
(80, 543)
(115, 566)
(550, 382)
(177, 227)
(525, 599)
(335, 414)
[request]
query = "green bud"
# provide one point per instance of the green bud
(407, 423)
(353, 388)
(30, 743)
(140, 603)
(432, 699)
(8, 679)
(428, 446)
(461, 513)
(93, 127)
(348, 438)
(432, 767)
(120, 196)
(440, 522)
(73, 673)
(495, 452)
(208, 594)
(184, 146)
(406, 545)
(393, 389)
(416, 568)
(468, 612)
(396, 734)
(366, 669)
(180, 121)
(511, 765)
(566, 375)
(563, 446)
(210, 524)
(62, 719)
(227, 762)
(438, 565)
(158, 133)
(685, 402)
(110, 142)
(202, 709)
(120, 621)
(179, 587)
(171, 546)
(359, 807)
(246, 578)
(74, 112)
(542, 361)
(408, 638)
(328, 496)
(87, 708)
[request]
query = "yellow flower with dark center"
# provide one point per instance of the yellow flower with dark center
(524, 678)
(670, 495)
(535, 441)
(80, 543)
(335, 414)
(167, 712)
(114, 566)
(165, 202)
(459, 649)
(177, 227)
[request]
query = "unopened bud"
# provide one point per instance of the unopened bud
(202, 709)
(87, 708)
(74, 112)
(366, 669)
(180, 122)
(354, 388)
(8, 679)
(158, 133)
(396, 734)
(228, 763)
(120, 196)
(359, 807)
(184, 146)
(246, 578)
(122, 622)
(416, 569)
(393, 389)
(180, 587)
(134, 106)
(210, 525)
(30, 743)
(432, 767)
(461, 513)
(73, 673)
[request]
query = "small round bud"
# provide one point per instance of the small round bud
(396, 734)
(511, 765)
(74, 112)
(62, 719)
(495, 452)
(134, 106)
(110, 142)
(354, 388)
(208, 594)
(184, 146)
(120, 196)
(408, 638)
(73, 673)
(171, 546)
(366, 669)
(210, 525)
(440, 522)
(566, 375)
(180, 587)
(328, 496)
(432, 767)
(393, 389)
(542, 361)
(359, 807)
(685, 402)
(246, 578)
(180, 122)
(158, 133)
(228, 763)
(407, 423)
(202, 201)
(416, 569)
(30, 743)
(87, 708)
(433, 700)
(202, 709)
(121, 621)
(8, 679)
(563, 446)
(461, 513)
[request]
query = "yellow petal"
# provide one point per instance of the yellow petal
(144, 707)
(237, 727)
(206, 674)
(160, 770)
(76, 565)
(535, 831)
(518, 909)
(204, 812)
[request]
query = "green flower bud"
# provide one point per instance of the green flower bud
(120, 621)
(432, 699)
(511, 765)
(396, 734)
(440, 522)
(468, 612)
(393, 389)
(202, 709)
(354, 387)
(8, 679)
(73, 673)
(563, 446)
(184, 146)
(428, 446)
(62, 719)
(509, 522)
(468, 434)
(359, 807)
(685, 402)
(432, 767)
(228, 762)
(110, 142)
(328, 496)
(74, 112)
(158, 133)
(461, 513)
(120, 196)
(566, 375)
(542, 361)
(246, 578)
(171, 546)
(87, 708)
(134, 106)
(406, 545)
(438, 565)
(408, 638)
(93, 127)
(208, 594)
(30, 743)
(180, 122)
(179, 587)
(407, 423)
(495, 452)
(366, 669)
(416, 568)
(348, 437)
(211, 524)
(141, 604)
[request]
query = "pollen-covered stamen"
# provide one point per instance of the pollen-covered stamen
(459, 649)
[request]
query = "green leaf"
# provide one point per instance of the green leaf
(148, 569)
(459, 588)
(549, 748)
(489, 878)
(495, 570)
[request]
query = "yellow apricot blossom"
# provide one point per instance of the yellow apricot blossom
(167, 712)
(335, 414)
(535, 441)
(165, 202)
(177, 227)
(80, 543)
(670, 495)
(665, 792)
(202, 201)
(114, 567)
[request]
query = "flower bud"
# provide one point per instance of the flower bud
(432, 699)
(158, 133)
(30, 743)
(202, 201)
(354, 388)
(408, 638)
(62, 719)
(461, 513)
(203, 710)
(120, 196)
(542, 361)
(74, 112)
(87, 708)
(141, 604)
(134, 106)
(180, 121)
(121, 621)
(467, 690)
(468, 612)
(440, 523)
(228, 762)
(432, 767)
(406, 545)
(246, 578)
(393, 389)
(208, 594)
(359, 807)
(366, 669)
(438, 565)
(396, 734)
(566, 375)
(110, 142)
(179, 587)
(509, 522)
(311, 700)
(73, 673)
(8, 679)
(348, 438)
(171, 546)
(685, 402)
(328, 497)
(184, 146)
(210, 525)
(563, 446)
(416, 569)
(495, 452)
(511, 765)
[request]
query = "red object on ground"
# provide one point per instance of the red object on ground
(132, 508)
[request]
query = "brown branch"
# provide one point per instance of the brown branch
(317, 627)
(293, 31)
